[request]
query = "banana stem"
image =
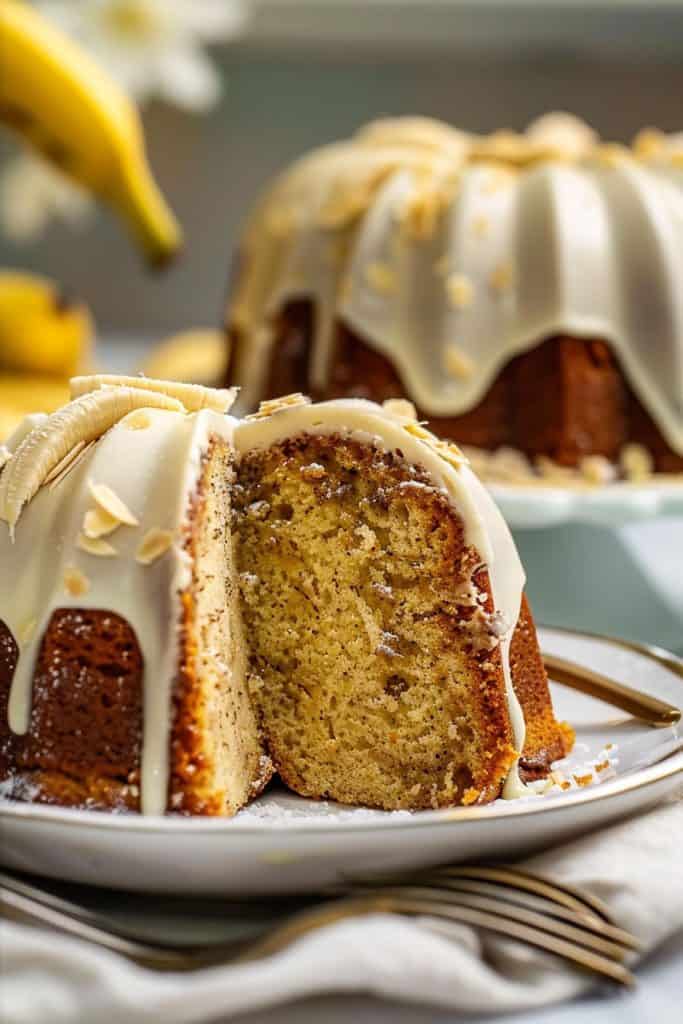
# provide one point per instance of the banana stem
(150, 220)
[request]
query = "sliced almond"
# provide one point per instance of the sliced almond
(611, 154)
(417, 431)
(98, 523)
(460, 291)
(273, 405)
(76, 583)
(457, 363)
(400, 407)
(636, 462)
(649, 142)
(96, 546)
(501, 277)
(27, 630)
(154, 544)
(381, 277)
(139, 420)
(596, 469)
(108, 500)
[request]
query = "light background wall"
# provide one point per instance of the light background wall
(278, 104)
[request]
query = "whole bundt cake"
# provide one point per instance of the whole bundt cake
(190, 602)
(523, 290)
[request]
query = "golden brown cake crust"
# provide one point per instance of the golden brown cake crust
(565, 398)
(83, 744)
(547, 740)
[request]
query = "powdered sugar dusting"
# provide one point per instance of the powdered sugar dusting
(280, 810)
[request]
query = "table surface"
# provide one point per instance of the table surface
(658, 997)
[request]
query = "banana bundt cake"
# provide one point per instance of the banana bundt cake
(525, 291)
(190, 603)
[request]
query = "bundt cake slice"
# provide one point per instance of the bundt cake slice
(122, 662)
(380, 594)
(189, 603)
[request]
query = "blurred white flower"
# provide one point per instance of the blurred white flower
(154, 47)
(32, 193)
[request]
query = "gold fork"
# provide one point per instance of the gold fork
(638, 704)
(500, 900)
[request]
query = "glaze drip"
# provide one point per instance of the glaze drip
(139, 478)
(450, 253)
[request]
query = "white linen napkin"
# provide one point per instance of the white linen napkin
(636, 867)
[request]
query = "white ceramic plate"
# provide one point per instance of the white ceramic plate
(536, 506)
(284, 843)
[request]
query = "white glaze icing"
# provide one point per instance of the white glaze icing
(155, 472)
(485, 529)
(551, 232)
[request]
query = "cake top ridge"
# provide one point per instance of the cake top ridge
(450, 253)
(554, 136)
(45, 448)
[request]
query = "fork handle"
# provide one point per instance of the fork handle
(648, 709)
(23, 910)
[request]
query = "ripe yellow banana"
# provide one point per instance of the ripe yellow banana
(199, 356)
(64, 104)
(21, 395)
(194, 397)
(42, 330)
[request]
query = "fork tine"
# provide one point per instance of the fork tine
(531, 901)
(566, 895)
(575, 931)
(330, 913)
(564, 948)
(503, 875)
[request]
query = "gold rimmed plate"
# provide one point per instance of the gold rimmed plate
(284, 843)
